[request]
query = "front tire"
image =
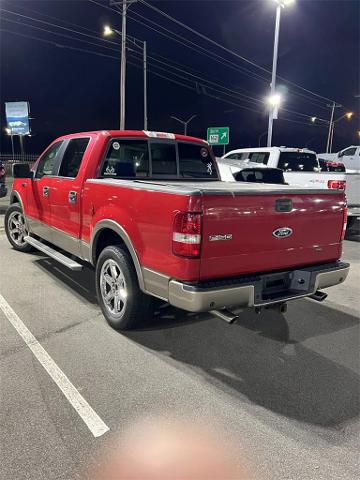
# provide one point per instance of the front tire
(122, 302)
(15, 228)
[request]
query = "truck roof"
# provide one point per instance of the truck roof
(137, 134)
(271, 149)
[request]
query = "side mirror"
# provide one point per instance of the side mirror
(22, 170)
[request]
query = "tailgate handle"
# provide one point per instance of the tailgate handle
(283, 205)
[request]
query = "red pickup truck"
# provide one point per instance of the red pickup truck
(148, 211)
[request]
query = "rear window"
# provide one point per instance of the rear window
(126, 159)
(163, 159)
(195, 161)
(298, 162)
(264, 175)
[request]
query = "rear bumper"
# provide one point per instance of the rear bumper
(257, 290)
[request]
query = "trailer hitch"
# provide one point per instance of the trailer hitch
(318, 296)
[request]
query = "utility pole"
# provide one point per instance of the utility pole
(273, 109)
(145, 86)
(331, 126)
(183, 122)
(123, 67)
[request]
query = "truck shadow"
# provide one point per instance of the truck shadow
(262, 359)
(270, 360)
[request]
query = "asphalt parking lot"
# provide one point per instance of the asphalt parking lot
(284, 389)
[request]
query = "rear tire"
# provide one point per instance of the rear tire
(122, 302)
(15, 228)
(351, 222)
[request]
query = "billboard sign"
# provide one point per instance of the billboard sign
(17, 117)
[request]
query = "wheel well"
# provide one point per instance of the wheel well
(14, 199)
(105, 238)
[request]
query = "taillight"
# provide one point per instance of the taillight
(187, 235)
(344, 224)
(338, 184)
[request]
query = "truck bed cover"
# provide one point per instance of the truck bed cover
(212, 188)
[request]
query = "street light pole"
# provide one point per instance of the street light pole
(123, 67)
(348, 115)
(330, 134)
(273, 109)
(145, 86)
(183, 122)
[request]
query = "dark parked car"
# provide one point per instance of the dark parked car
(331, 166)
(3, 188)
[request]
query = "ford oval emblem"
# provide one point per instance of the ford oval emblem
(282, 232)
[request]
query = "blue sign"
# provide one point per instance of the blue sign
(17, 117)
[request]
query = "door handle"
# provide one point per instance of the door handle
(72, 197)
(46, 192)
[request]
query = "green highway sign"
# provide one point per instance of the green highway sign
(218, 135)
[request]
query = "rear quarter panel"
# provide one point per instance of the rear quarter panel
(147, 217)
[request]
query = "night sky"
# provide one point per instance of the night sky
(71, 89)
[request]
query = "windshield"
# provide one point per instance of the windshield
(298, 162)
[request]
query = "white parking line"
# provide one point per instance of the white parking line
(89, 416)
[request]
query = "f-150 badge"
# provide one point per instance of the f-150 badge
(217, 238)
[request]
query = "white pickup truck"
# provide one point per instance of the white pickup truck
(350, 157)
(300, 166)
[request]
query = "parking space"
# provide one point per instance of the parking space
(283, 388)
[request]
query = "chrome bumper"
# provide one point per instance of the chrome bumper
(257, 290)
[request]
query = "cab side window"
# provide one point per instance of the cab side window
(47, 162)
(348, 152)
(259, 157)
(73, 156)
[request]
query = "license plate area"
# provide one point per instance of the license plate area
(279, 286)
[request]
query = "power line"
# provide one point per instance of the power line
(215, 57)
(138, 66)
(233, 93)
(103, 40)
(52, 25)
(195, 32)
(57, 33)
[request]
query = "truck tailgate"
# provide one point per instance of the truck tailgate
(241, 231)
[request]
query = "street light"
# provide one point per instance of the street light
(274, 108)
(183, 122)
(274, 100)
(108, 30)
(313, 119)
(347, 115)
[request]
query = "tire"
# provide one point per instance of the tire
(351, 222)
(122, 302)
(15, 228)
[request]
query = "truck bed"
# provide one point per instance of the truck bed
(239, 221)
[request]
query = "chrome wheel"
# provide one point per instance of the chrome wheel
(17, 228)
(113, 288)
